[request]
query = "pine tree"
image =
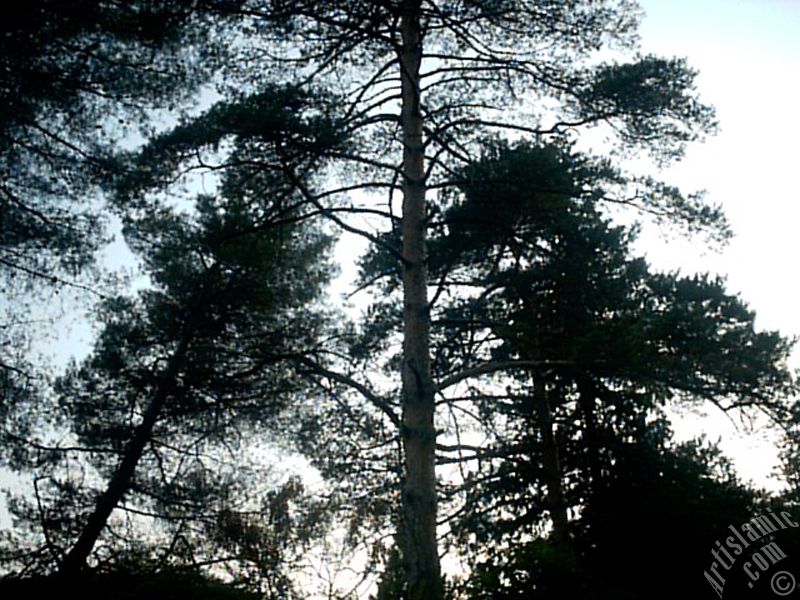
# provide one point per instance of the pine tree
(598, 343)
(209, 353)
(78, 78)
(420, 86)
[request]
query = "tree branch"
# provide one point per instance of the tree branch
(494, 367)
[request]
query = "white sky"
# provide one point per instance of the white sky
(748, 56)
(747, 53)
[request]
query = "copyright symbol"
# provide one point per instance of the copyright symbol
(782, 583)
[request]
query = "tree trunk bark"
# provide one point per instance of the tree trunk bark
(75, 560)
(418, 536)
(587, 393)
(551, 462)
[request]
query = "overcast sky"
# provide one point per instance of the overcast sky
(747, 53)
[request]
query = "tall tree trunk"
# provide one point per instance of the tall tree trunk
(418, 537)
(587, 393)
(551, 462)
(75, 560)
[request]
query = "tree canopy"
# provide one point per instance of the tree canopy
(507, 382)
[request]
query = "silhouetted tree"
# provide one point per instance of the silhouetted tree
(78, 78)
(206, 355)
(75, 77)
(595, 344)
(420, 85)
(657, 519)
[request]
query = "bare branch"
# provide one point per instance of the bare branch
(494, 367)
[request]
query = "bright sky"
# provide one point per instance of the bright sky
(748, 56)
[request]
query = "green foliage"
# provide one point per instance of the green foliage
(392, 584)
(653, 99)
(273, 129)
(527, 269)
(75, 76)
(656, 519)
(211, 350)
(553, 287)
(561, 286)
(535, 569)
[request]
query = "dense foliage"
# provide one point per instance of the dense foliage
(503, 397)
